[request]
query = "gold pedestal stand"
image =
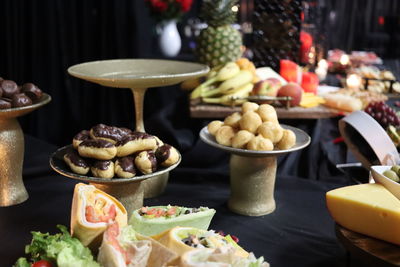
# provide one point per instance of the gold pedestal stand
(253, 173)
(136, 75)
(12, 189)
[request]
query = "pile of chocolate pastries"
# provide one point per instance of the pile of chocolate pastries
(15, 96)
(109, 151)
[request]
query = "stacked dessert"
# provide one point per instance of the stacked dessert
(109, 151)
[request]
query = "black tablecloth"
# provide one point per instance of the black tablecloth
(299, 233)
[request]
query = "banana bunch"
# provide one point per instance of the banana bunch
(226, 85)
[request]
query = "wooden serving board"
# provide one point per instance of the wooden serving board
(218, 111)
(371, 251)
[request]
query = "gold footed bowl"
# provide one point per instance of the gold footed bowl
(12, 147)
(138, 75)
(129, 191)
(253, 173)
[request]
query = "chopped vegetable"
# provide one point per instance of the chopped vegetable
(60, 250)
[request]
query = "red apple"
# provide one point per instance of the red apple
(268, 87)
(293, 90)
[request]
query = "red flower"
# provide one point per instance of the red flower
(185, 4)
(159, 5)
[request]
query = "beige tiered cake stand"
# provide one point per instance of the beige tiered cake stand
(12, 189)
(137, 75)
(253, 173)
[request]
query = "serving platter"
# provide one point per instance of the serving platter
(138, 75)
(302, 140)
(253, 173)
(130, 191)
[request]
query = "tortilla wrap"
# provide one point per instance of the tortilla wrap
(91, 213)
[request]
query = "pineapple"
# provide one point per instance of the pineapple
(219, 43)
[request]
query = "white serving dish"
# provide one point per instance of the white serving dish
(377, 175)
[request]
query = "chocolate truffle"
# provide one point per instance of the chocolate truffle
(9, 88)
(4, 104)
(32, 91)
(20, 100)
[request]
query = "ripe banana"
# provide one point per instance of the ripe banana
(238, 97)
(228, 71)
(231, 85)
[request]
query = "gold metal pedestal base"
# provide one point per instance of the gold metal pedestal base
(12, 146)
(129, 194)
(155, 186)
(252, 181)
(12, 189)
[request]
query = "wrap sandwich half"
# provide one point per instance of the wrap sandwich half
(220, 257)
(124, 247)
(184, 239)
(92, 211)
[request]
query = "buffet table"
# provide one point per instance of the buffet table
(299, 233)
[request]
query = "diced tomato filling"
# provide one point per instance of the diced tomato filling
(112, 234)
(158, 212)
(105, 215)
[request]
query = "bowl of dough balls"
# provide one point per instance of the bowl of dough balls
(113, 154)
(254, 130)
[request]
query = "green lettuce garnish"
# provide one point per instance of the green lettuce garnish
(60, 249)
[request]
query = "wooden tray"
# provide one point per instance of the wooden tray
(371, 251)
(218, 111)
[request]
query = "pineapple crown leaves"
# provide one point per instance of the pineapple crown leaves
(218, 12)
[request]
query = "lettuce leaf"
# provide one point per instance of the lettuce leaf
(59, 248)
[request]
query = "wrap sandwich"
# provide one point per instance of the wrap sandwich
(92, 211)
(220, 257)
(156, 219)
(124, 247)
(185, 239)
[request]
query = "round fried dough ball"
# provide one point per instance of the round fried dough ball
(271, 130)
(224, 135)
(260, 143)
(250, 121)
(288, 140)
(214, 126)
(267, 113)
(241, 139)
(249, 106)
(233, 120)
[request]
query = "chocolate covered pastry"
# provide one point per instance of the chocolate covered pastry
(5, 104)
(80, 137)
(97, 149)
(32, 91)
(76, 163)
(103, 169)
(9, 88)
(135, 142)
(125, 167)
(109, 133)
(167, 155)
(20, 100)
(146, 162)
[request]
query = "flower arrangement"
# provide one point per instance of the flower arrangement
(163, 10)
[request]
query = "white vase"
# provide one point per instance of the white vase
(169, 39)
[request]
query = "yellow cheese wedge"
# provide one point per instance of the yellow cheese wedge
(368, 209)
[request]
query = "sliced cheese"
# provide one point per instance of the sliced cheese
(368, 209)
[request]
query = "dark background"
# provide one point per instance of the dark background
(40, 39)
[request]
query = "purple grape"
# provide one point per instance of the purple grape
(396, 121)
(378, 116)
(384, 121)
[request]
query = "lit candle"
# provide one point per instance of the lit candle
(344, 60)
(322, 69)
(353, 81)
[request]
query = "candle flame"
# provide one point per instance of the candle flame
(344, 59)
